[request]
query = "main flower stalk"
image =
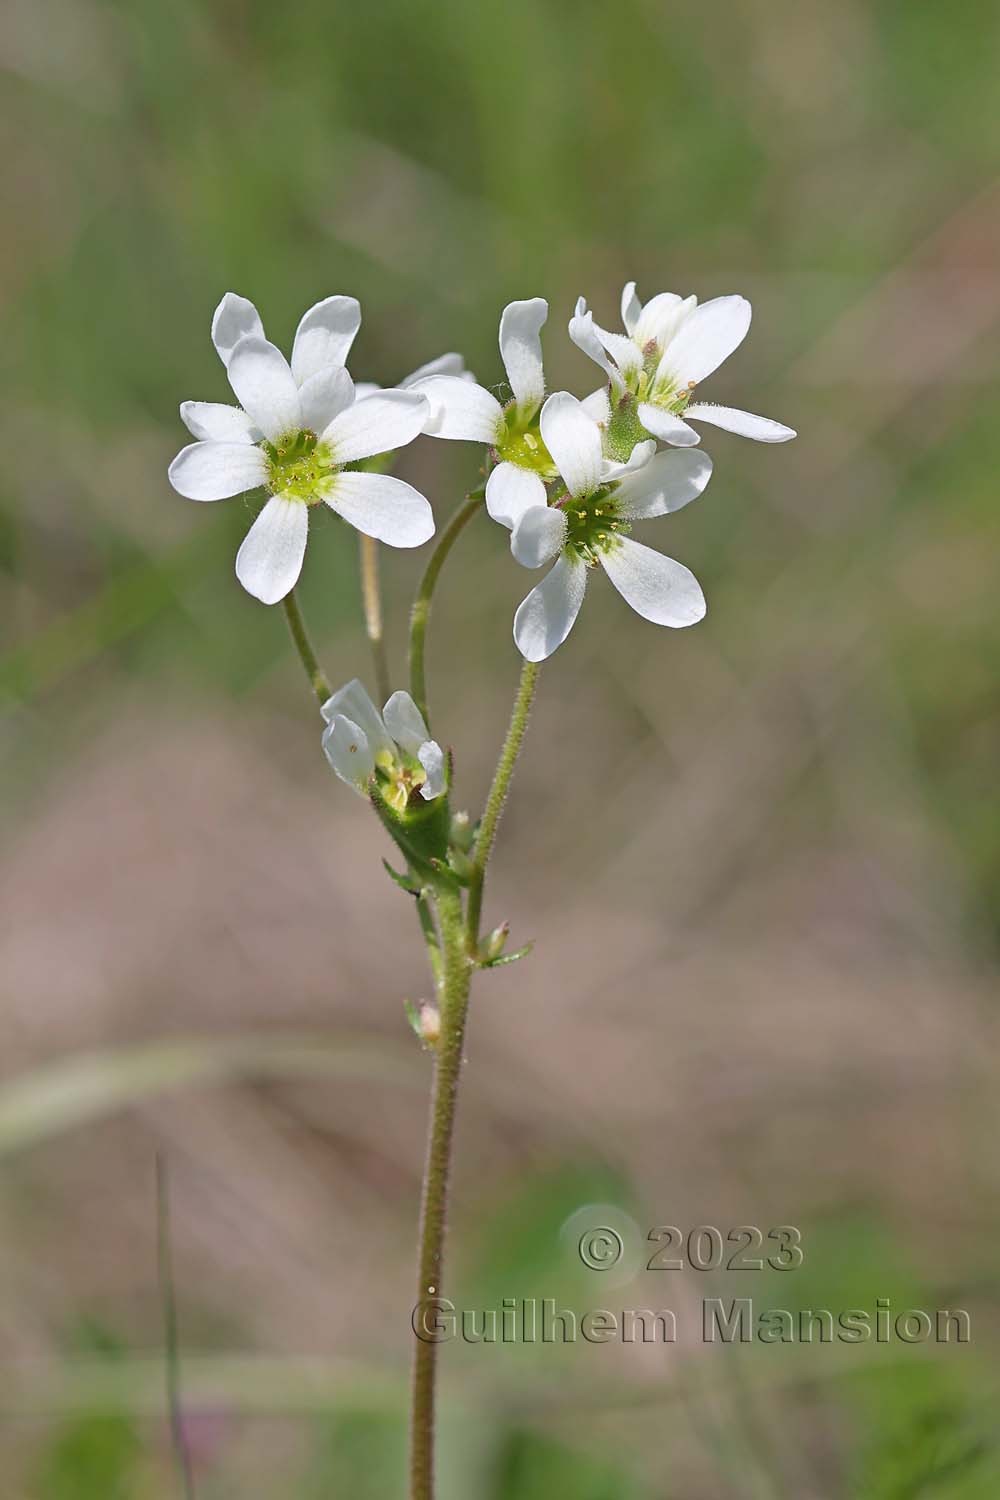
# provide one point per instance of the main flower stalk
(457, 970)
(459, 935)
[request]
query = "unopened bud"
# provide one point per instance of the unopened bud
(462, 831)
(497, 941)
(430, 1023)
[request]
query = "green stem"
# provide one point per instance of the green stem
(497, 797)
(454, 1002)
(372, 597)
(303, 645)
(420, 614)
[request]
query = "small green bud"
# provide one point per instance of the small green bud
(425, 1020)
(463, 832)
(492, 947)
(430, 1024)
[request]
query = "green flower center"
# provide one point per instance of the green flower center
(399, 779)
(593, 524)
(521, 443)
(297, 466)
(624, 429)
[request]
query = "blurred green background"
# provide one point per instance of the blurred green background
(761, 858)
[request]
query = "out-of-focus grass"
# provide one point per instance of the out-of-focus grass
(837, 164)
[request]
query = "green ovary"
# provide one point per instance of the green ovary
(298, 466)
(624, 428)
(399, 780)
(593, 525)
(521, 443)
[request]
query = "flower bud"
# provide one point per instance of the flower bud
(430, 1023)
(496, 942)
(463, 832)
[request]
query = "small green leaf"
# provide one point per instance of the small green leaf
(507, 958)
(413, 1016)
(405, 882)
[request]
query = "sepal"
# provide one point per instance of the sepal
(420, 832)
(506, 958)
(405, 882)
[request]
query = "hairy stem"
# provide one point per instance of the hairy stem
(497, 797)
(372, 597)
(421, 611)
(303, 645)
(454, 993)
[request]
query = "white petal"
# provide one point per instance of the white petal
(667, 427)
(324, 395)
(270, 560)
(667, 483)
(598, 406)
(214, 471)
(383, 507)
(761, 429)
(259, 374)
(346, 747)
(387, 420)
(324, 336)
(538, 536)
(585, 336)
(661, 318)
(631, 307)
(521, 348)
(353, 703)
(461, 410)
(433, 760)
(405, 722)
(657, 588)
(365, 388)
(546, 617)
(705, 339)
(574, 440)
(235, 318)
(623, 350)
(214, 422)
(510, 491)
(637, 459)
(445, 364)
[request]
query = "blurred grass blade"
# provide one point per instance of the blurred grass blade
(72, 1091)
(171, 1335)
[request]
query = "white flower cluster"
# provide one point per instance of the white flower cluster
(569, 477)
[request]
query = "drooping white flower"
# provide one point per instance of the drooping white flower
(394, 746)
(669, 346)
(450, 365)
(297, 428)
(467, 412)
(588, 525)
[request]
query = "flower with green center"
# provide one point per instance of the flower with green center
(297, 430)
(392, 746)
(587, 522)
(467, 412)
(669, 346)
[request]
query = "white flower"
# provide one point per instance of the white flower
(297, 428)
(588, 524)
(393, 746)
(451, 365)
(669, 346)
(470, 413)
